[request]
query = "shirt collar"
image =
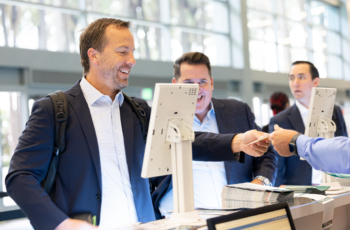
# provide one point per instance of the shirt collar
(210, 114)
(92, 94)
(302, 108)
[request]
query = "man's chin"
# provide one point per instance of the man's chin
(122, 85)
(298, 95)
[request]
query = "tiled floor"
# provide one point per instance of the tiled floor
(18, 224)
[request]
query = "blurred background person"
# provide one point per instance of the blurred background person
(278, 102)
(303, 77)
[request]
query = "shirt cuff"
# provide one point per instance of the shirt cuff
(301, 144)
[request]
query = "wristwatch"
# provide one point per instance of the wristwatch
(264, 180)
(293, 145)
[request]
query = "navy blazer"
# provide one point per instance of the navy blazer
(232, 116)
(78, 184)
(292, 170)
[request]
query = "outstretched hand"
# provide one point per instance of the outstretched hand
(240, 141)
(280, 140)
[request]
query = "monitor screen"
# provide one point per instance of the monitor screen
(271, 220)
(276, 216)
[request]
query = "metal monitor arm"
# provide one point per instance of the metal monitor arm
(181, 136)
(326, 127)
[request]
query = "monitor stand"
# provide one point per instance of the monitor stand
(181, 136)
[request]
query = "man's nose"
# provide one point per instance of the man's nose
(131, 60)
(296, 82)
(200, 88)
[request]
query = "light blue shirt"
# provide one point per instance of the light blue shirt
(208, 177)
(117, 207)
(329, 155)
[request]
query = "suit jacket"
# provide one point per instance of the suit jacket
(232, 116)
(77, 187)
(292, 170)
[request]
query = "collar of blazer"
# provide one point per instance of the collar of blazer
(80, 107)
(295, 119)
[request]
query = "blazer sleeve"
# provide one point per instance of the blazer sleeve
(340, 122)
(208, 146)
(214, 147)
(265, 165)
(29, 166)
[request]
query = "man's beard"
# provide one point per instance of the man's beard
(114, 79)
(122, 84)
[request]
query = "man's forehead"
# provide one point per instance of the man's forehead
(118, 33)
(197, 69)
(302, 68)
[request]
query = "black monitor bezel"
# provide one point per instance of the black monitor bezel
(251, 212)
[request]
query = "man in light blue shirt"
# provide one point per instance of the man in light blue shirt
(220, 116)
(330, 155)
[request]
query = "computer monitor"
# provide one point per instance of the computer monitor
(319, 120)
(170, 102)
(275, 216)
(169, 142)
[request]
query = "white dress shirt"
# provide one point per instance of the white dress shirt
(208, 177)
(117, 207)
(316, 174)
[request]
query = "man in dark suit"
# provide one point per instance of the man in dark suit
(291, 170)
(221, 116)
(99, 172)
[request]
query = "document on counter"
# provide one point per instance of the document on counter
(328, 208)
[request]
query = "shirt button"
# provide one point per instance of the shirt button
(98, 196)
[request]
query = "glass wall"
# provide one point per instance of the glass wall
(10, 130)
(163, 29)
(281, 32)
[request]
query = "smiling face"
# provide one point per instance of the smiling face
(198, 74)
(112, 65)
(301, 83)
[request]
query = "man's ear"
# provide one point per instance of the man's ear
(316, 81)
(174, 80)
(94, 56)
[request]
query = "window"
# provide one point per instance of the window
(281, 32)
(10, 130)
(161, 28)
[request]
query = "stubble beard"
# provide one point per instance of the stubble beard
(114, 80)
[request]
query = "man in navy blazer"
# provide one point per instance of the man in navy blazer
(214, 115)
(291, 170)
(100, 170)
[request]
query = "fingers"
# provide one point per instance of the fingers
(259, 148)
(277, 127)
(263, 144)
(256, 153)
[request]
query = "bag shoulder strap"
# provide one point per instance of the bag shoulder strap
(60, 105)
(140, 113)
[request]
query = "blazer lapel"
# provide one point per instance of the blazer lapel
(220, 115)
(127, 121)
(295, 119)
(81, 109)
